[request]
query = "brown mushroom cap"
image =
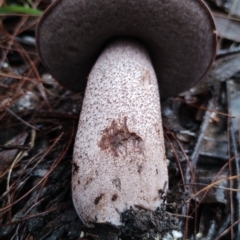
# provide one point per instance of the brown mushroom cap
(179, 35)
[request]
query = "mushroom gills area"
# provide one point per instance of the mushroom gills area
(119, 156)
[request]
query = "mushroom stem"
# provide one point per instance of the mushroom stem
(119, 155)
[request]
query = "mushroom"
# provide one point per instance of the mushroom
(120, 51)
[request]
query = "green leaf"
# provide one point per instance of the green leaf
(20, 9)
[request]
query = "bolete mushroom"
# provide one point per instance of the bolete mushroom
(122, 50)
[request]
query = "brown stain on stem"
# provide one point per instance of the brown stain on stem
(118, 136)
(98, 199)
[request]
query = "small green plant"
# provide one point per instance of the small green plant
(12, 9)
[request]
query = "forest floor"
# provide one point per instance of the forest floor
(38, 123)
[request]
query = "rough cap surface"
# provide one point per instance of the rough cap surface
(179, 35)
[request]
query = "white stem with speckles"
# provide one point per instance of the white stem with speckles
(119, 156)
